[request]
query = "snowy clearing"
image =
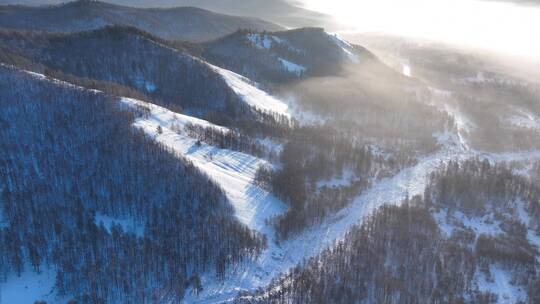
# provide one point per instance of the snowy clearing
(265, 42)
(167, 118)
(233, 171)
(279, 258)
(480, 225)
(338, 181)
(500, 284)
(292, 67)
(31, 287)
(347, 48)
(262, 41)
(252, 95)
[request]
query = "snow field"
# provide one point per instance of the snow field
(233, 171)
(252, 95)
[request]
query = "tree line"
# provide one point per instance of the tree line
(67, 154)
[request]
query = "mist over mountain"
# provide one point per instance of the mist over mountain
(283, 12)
(182, 23)
(241, 152)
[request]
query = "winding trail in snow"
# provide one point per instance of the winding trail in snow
(235, 173)
(279, 258)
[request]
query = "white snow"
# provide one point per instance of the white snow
(271, 145)
(150, 87)
(338, 181)
(292, 67)
(233, 171)
(279, 258)
(347, 48)
(442, 100)
(265, 42)
(508, 157)
(127, 224)
(490, 78)
(524, 217)
(46, 78)
(524, 119)
(147, 85)
(500, 280)
(407, 70)
(409, 182)
(261, 41)
(500, 284)
(30, 287)
(252, 95)
(169, 119)
(480, 225)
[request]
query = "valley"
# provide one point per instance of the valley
(177, 155)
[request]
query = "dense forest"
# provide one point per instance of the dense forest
(313, 155)
(162, 72)
(478, 187)
(357, 183)
(374, 104)
(174, 23)
(170, 76)
(68, 154)
(439, 249)
(277, 58)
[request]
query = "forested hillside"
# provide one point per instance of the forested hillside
(474, 231)
(283, 57)
(176, 23)
(70, 154)
(175, 155)
(131, 58)
(321, 172)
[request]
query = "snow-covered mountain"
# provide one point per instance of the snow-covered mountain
(499, 99)
(171, 76)
(90, 134)
(262, 166)
(178, 23)
(284, 12)
(281, 57)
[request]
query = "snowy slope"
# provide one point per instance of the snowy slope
(252, 95)
(233, 171)
(168, 118)
(266, 41)
(393, 190)
(501, 282)
(347, 48)
(292, 67)
(280, 258)
(30, 287)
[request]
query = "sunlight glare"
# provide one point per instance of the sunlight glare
(505, 27)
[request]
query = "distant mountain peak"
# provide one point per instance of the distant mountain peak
(178, 23)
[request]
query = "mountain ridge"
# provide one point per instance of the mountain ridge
(179, 23)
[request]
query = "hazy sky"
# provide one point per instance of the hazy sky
(505, 26)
